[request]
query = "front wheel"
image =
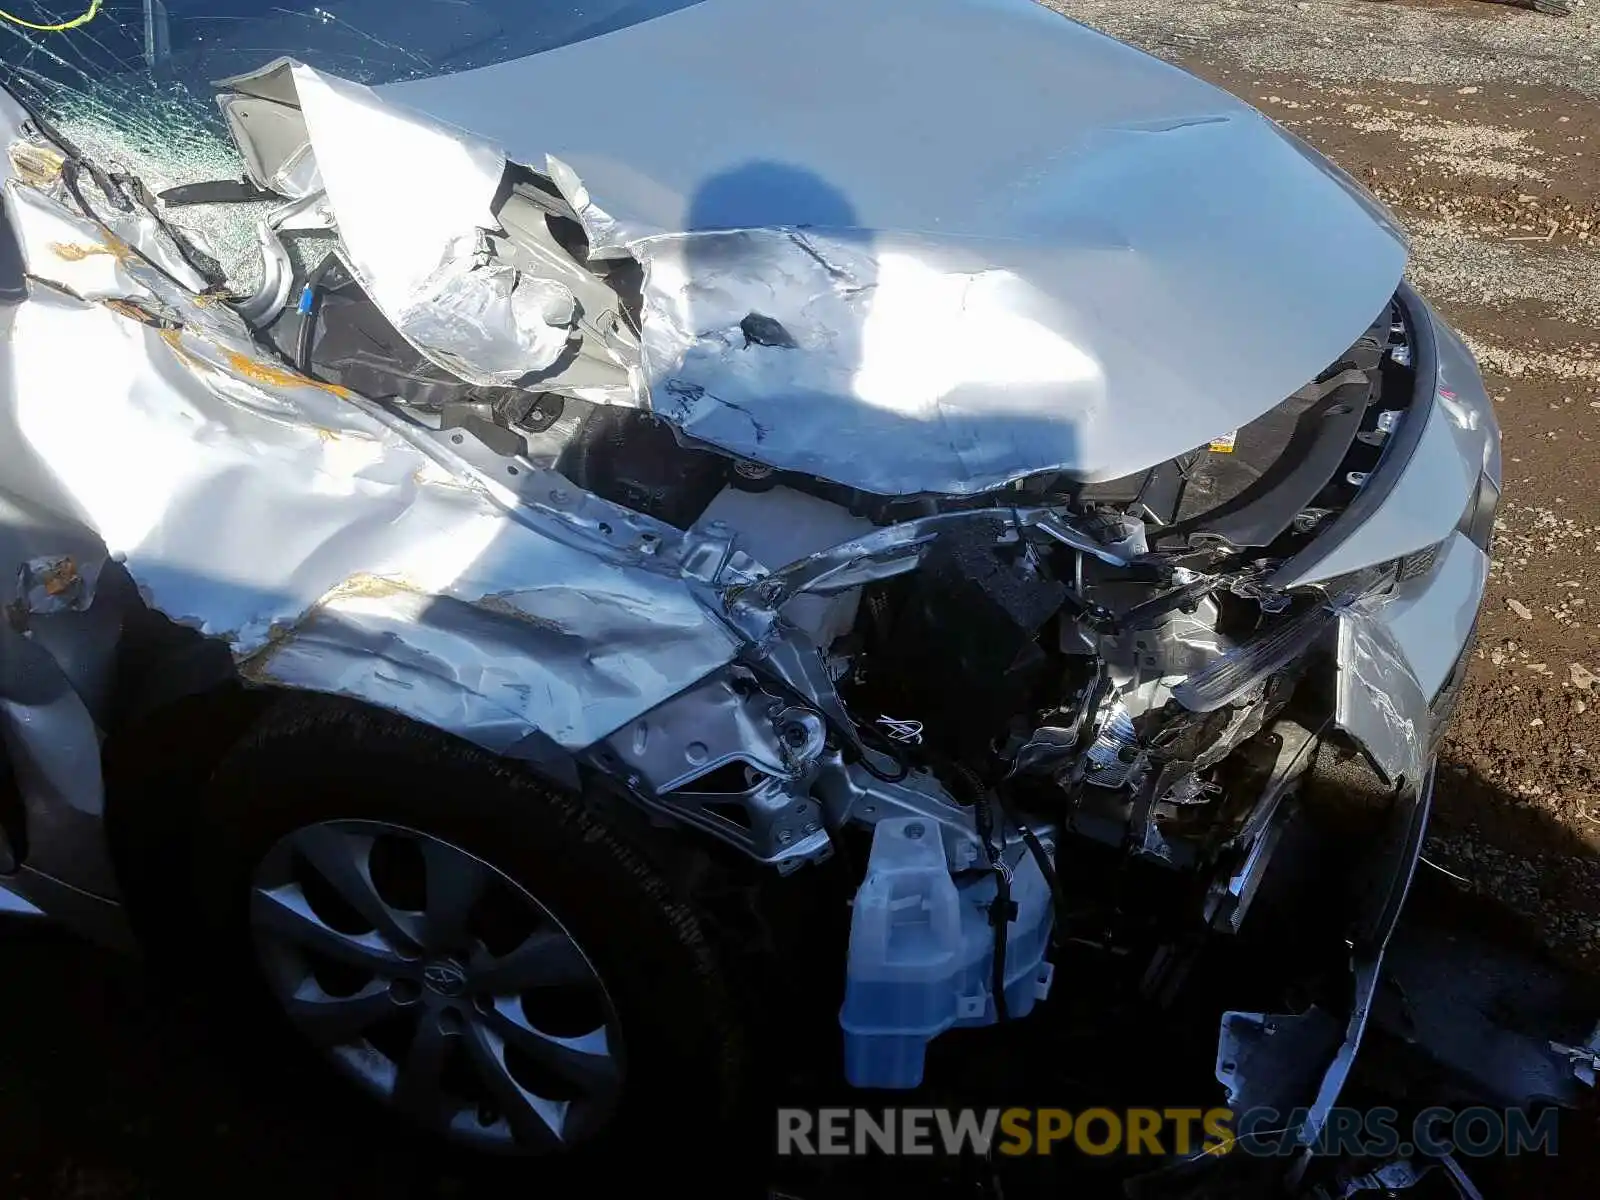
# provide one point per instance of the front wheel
(467, 945)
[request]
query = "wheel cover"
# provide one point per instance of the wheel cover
(438, 984)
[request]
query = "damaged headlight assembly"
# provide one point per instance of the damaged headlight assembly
(635, 545)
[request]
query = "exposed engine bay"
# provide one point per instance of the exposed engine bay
(985, 681)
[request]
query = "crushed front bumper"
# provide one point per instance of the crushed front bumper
(1400, 659)
(1430, 505)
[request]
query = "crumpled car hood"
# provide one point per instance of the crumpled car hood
(908, 248)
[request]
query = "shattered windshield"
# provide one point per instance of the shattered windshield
(131, 82)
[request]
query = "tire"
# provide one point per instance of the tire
(313, 760)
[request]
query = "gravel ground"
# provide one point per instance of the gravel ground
(1436, 43)
(1476, 123)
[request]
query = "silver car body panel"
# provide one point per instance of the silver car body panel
(1108, 246)
(1430, 620)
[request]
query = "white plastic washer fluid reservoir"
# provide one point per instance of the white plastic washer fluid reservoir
(922, 953)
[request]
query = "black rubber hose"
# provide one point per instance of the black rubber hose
(1048, 870)
(855, 743)
(866, 765)
(1000, 914)
(866, 760)
(1000, 911)
(309, 315)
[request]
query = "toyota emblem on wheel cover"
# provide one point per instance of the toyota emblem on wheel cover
(445, 978)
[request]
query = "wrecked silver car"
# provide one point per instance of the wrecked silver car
(480, 509)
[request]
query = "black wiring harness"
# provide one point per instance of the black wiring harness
(986, 808)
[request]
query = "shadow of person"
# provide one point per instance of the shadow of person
(764, 298)
(787, 328)
(762, 194)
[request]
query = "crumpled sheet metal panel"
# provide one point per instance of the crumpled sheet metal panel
(489, 322)
(1120, 228)
(574, 656)
(415, 243)
(298, 523)
(403, 187)
(954, 371)
(1378, 700)
(69, 251)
